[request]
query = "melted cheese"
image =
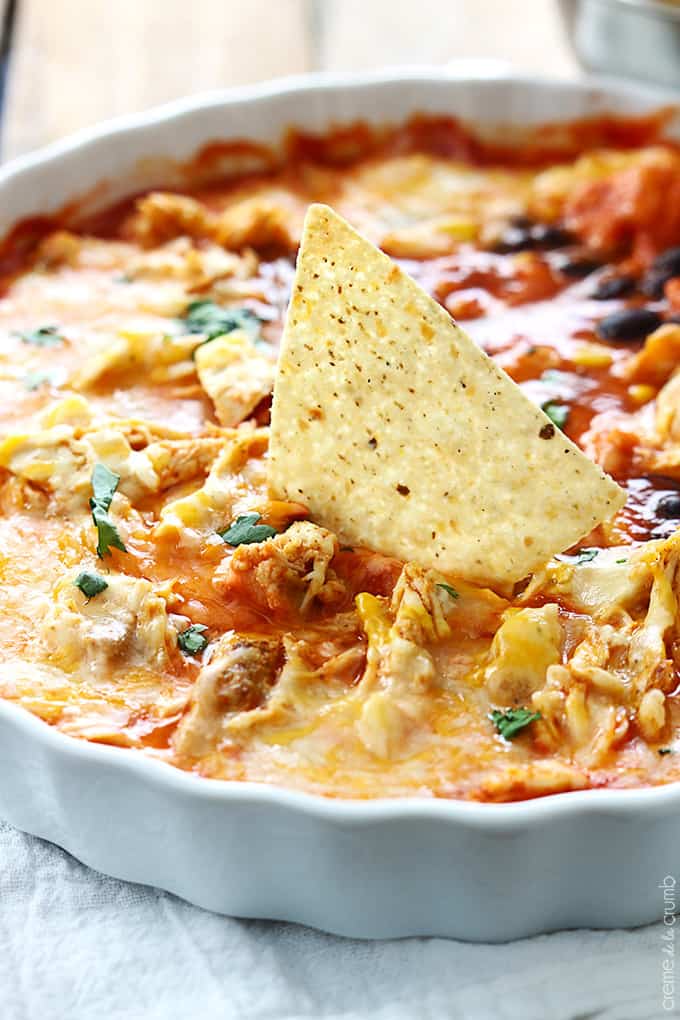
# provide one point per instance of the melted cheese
(125, 624)
(330, 669)
(235, 375)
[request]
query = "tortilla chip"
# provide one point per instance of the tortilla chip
(400, 434)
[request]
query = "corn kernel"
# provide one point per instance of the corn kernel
(592, 355)
(458, 229)
(641, 393)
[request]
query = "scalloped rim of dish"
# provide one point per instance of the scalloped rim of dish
(347, 811)
(460, 72)
(478, 814)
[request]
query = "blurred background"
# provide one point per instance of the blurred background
(65, 64)
(74, 62)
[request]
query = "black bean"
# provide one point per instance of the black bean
(521, 220)
(629, 324)
(653, 283)
(578, 266)
(614, 287)
(668, 506)
(550, 236)
(514, 239)
(668, 261)
(664, 268)
(522, 235)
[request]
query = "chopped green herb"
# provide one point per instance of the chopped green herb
(107, 533)
(665, 750)
(449, 589)
(622, 561)
(104, 484)
(512, 720)
(90, 583)
(212, 320)
(34, 380)
(558, 413)
(245, 531)
(191, 640)
(45, 336)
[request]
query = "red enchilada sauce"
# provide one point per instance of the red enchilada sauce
(563, 297)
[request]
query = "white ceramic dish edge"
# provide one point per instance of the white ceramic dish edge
(368, 869)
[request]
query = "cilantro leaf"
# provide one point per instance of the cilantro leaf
(212, 320)
(104, 484)
(107, 533)
(44, 336)
(665, 750)
(34, 380)
(90, 583)
(191, 640)
(449, 589)
(245, 531)
(558, 413)
(512, 720)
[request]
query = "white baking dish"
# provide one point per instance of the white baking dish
(371, 869)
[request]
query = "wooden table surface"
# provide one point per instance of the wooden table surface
(74, 62)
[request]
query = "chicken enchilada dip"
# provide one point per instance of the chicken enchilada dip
(401, 521)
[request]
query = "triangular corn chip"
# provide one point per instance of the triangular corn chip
(400, 434)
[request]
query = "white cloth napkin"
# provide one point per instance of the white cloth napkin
(75, 945)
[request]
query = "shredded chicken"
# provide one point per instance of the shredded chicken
(525, 645)
(126, 624)
(622, 666)
(237, 679)
(639, 205)
(270, 219)
(395, 690)
(160, 217)
(235, 374)
(61, 459)
(291, 570)
(234, 472)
